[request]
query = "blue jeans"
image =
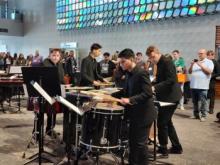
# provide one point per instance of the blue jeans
(200, 102)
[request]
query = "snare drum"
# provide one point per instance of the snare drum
(101, 127)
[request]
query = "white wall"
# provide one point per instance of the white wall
(185, 34)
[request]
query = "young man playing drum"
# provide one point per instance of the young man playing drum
(137, 98)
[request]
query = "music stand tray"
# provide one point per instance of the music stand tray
(47, 78)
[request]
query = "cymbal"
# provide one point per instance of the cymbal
(79, 88)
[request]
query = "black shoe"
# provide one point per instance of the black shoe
(176, 150)
(163, 151)
(211, 111)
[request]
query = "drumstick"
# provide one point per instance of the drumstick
(103, 96)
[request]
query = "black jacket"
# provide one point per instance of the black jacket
(166, 86)
(89, 71)
(48, 63)
(138, 89)
(71, 66)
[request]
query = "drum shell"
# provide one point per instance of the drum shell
(93, 124)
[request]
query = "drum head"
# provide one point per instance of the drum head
(108, 108)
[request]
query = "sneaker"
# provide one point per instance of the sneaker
(202, 119)
(182, 108)
(194, 117)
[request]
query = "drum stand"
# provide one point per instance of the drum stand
(78, 128)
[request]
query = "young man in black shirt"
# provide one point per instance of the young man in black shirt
(137, 98)
(89, 67)
(166, 89)
(53, 61)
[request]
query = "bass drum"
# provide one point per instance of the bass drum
(101, 127)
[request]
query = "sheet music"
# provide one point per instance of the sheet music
(43, 92)
(69, 105)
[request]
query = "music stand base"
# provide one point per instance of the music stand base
(43, 158)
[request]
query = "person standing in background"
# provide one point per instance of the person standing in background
(215, 73)
(200, 70)
(139, 60)
(180, 69)
(71, 67)
(37, 59)
(106, 67)
(138, 99)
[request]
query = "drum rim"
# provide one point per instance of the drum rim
(107, 110)
(99, 147)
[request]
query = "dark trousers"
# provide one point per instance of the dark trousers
(211, 95)
(166, 128)
(138, 154)
(51, 120)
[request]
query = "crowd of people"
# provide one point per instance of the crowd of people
(161, 75)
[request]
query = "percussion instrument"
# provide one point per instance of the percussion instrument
(78, 88)
(101, 127)
(107, 91)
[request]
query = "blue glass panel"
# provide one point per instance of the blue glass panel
(176, 13)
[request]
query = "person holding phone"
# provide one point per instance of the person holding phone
(200, 71)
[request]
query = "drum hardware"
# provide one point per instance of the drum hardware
(107, 139)
(104, 140)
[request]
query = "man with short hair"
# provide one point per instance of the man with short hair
(89, 72)
(200, 70)
(106, 66)
(139, 60)
(71, 67)
(166, 89)
(53, 61)
(180, 69)
(137, 97)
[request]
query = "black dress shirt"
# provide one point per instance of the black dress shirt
(166, 86)
(89, 71)
(48, 63)
(138, 90)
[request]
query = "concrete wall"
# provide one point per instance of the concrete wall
(15, 28)
(185, 34)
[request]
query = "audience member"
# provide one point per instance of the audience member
(200, 70)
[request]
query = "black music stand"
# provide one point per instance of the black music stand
(47, 78)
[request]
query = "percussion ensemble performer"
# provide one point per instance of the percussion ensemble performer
(166, 89)
(89, 72)
(53, 61)
(137, 99)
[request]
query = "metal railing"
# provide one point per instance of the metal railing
(12, 14)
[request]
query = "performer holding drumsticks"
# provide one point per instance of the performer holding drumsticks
(137, 98)
(89, 73)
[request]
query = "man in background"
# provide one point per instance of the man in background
(71, 67)
(106, 66)
(180, 69)
(200, 70)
